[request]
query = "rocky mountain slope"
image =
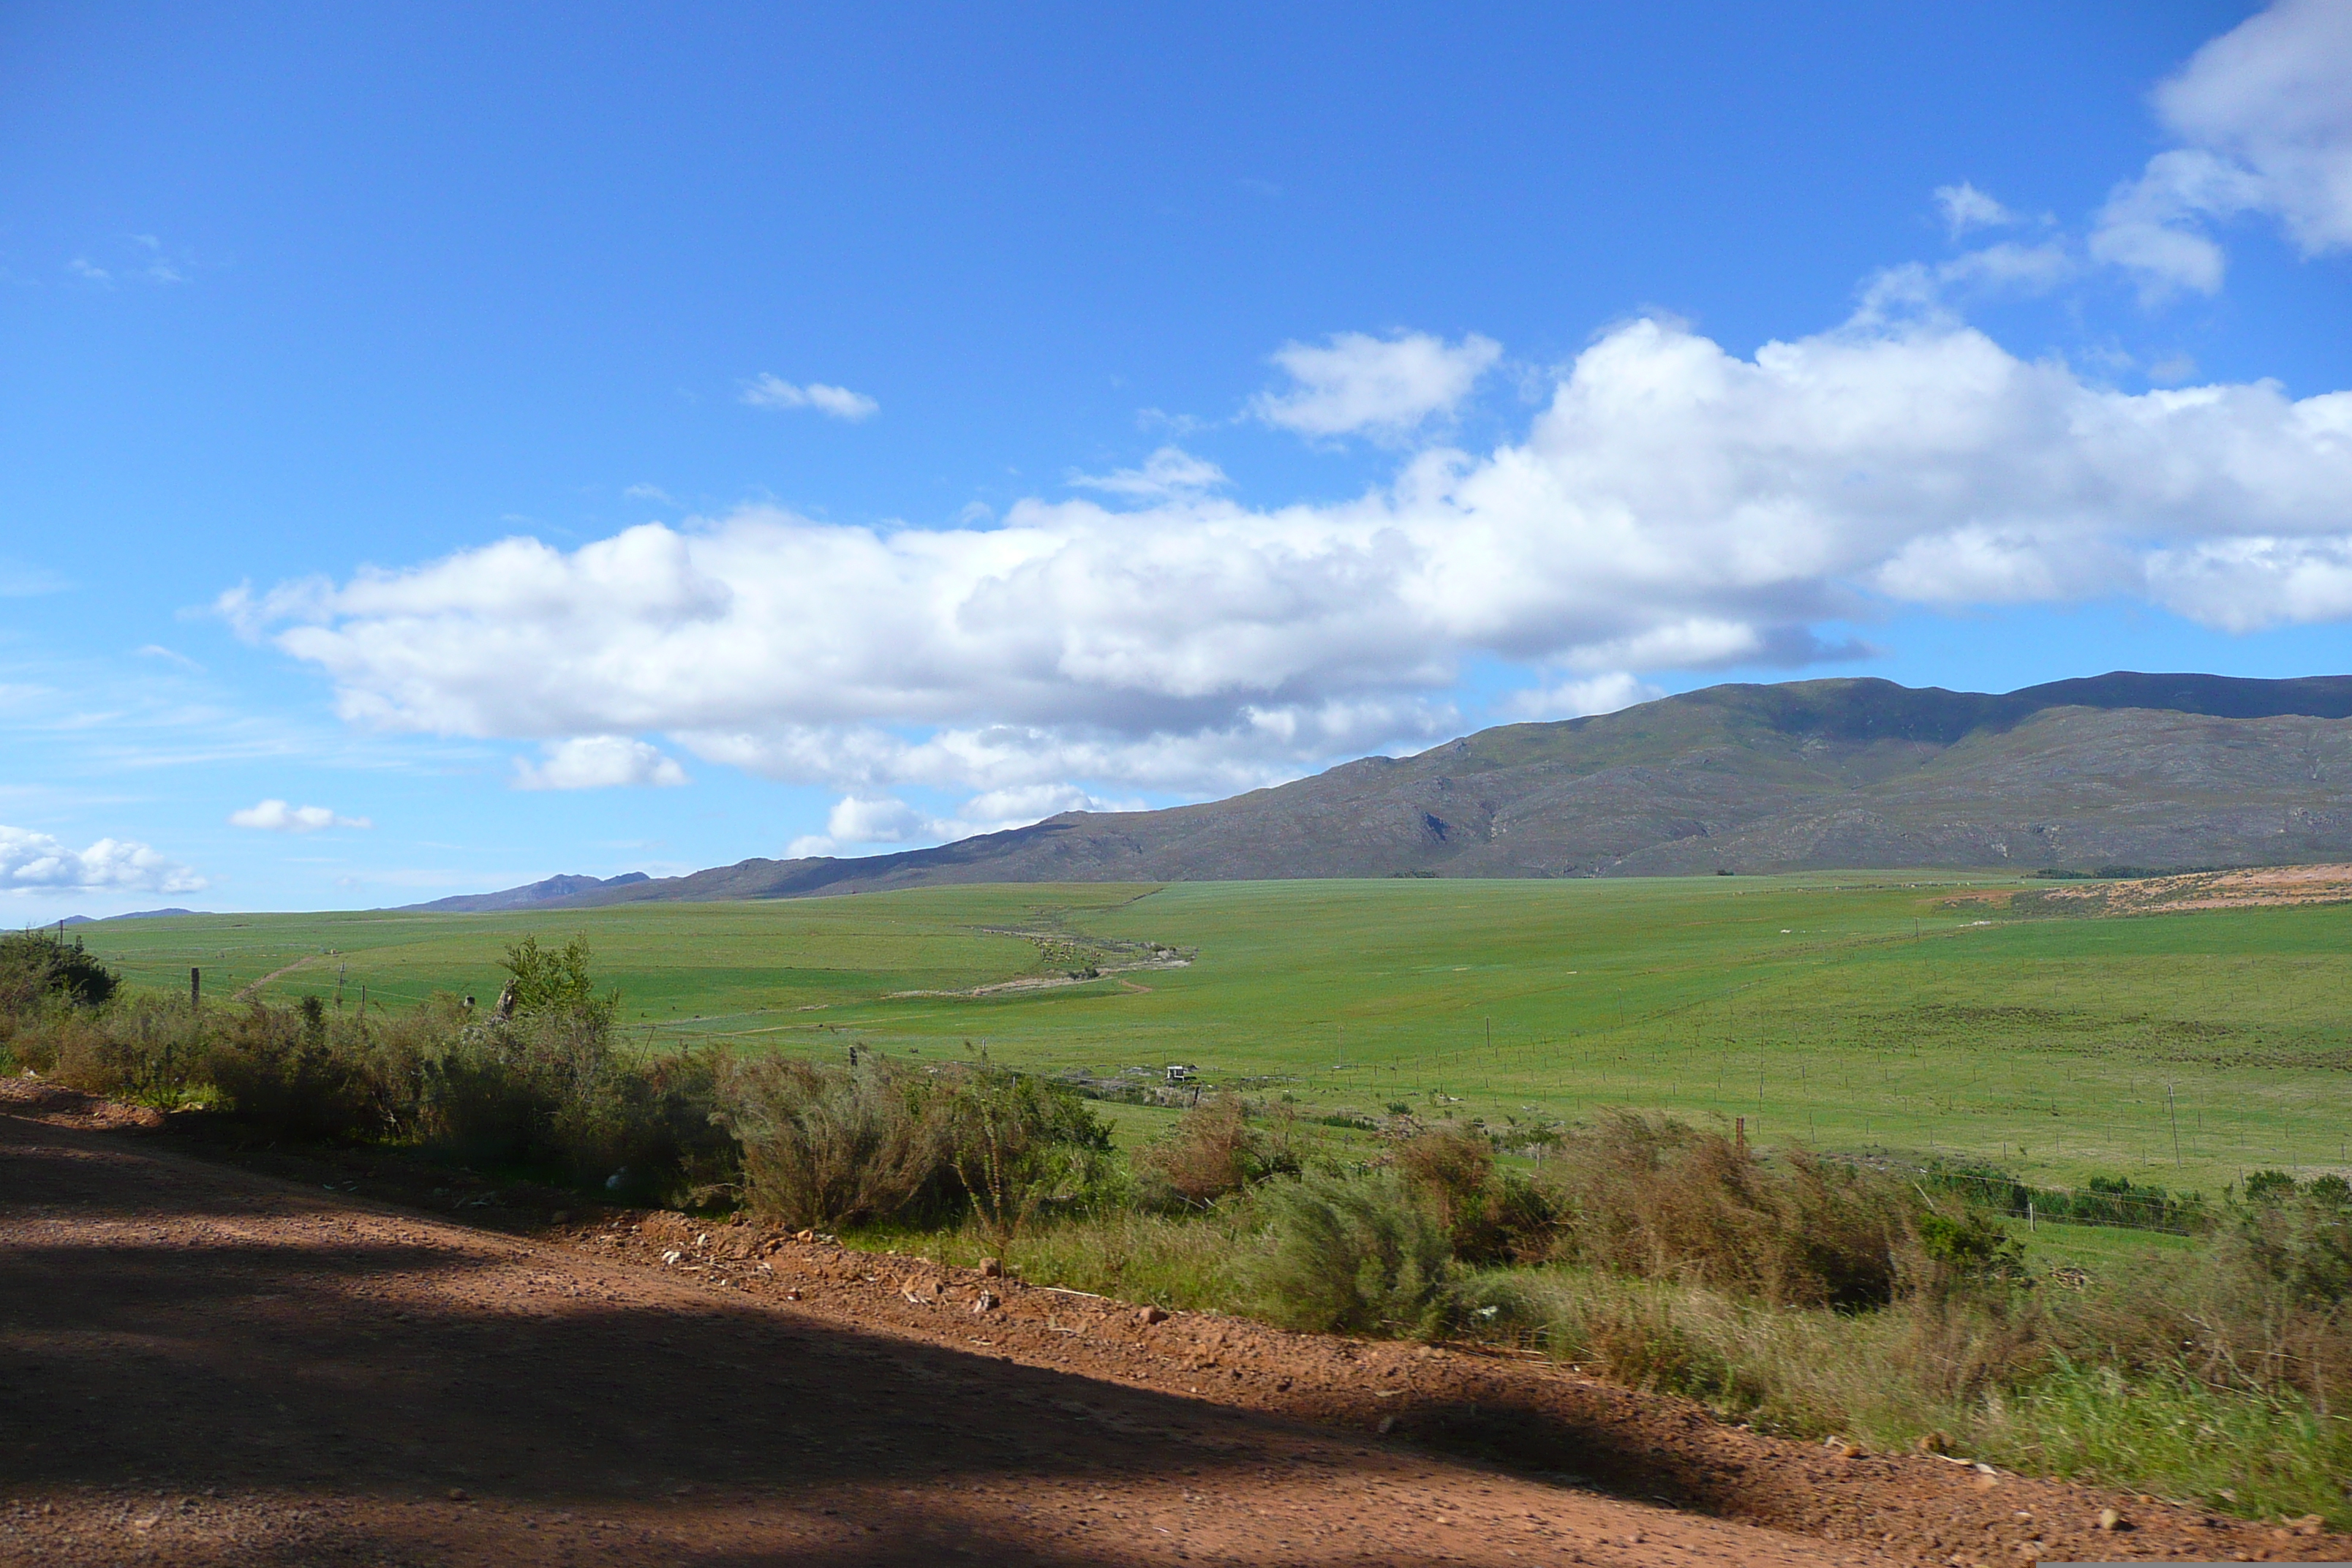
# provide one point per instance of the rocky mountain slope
(2150, 771)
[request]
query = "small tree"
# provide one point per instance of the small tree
(550, 979)
(39, 964)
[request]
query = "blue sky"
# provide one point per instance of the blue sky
(444, 447)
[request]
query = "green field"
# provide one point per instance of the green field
(1853, 1013)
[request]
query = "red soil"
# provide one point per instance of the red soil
(203, 1361)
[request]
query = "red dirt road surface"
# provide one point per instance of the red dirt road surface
(205, 1363)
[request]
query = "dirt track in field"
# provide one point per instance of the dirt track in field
(205, 1363)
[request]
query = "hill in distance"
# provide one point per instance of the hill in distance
(133, 915)
(550, 890)
(2146, 770)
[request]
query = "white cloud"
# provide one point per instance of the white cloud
(277, 816)
(648, 492)
(1579, 699)
(2266, 119)
(1967, 208)
(36, 862)
(2246, 585)
(168, 656)
(1261, 745)
(868, 821)
(1170, 472)
(1918, 288)
(854, 820)
(1382, 386)
(771, 392)
(597, 762)
(1675, 506)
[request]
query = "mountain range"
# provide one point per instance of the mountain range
(553, 890)
(2154, 771)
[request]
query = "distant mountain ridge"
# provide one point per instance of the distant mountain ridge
(133, 915)
(550, 890)
(2121, 769)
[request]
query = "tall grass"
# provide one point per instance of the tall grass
(1191, 1262)
(2169, 1432)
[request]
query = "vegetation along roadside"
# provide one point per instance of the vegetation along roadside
(1806, 1294)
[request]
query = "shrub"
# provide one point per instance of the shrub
(1967, 1249)
(2269, 1187)
(1212, 1152)
(284, 1076)
(548, 1090)
(1655, 1198)
(1352, 1253)
(41, 966)
(1020, 1144)
(146, 1050)
(826, 1146)
(1454, 1171)
(2265, 1308)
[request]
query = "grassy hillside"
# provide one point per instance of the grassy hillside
(1855, 1012)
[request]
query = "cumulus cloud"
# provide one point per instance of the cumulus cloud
(870, 822)
(2266, 123)
(597, 762)
(1967, 208)
(1582, 699)
(1675, 506)
(31, 862)
(1170, 472)
(277, 816)
(1355, 383)
(773, 392)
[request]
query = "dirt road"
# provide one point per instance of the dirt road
(200, 1364)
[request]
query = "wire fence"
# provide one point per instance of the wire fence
(2112, 1202)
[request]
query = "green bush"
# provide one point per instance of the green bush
(40, 965)
(1020, 1146)
(2265, 1308)
(1966, 1248)
(1352, 1253)
(551, 1092)
(827, 1146)
(880, 1142)
(285, 1076)
(553, 980)
(152, 1050)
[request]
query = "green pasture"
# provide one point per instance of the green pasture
(1857, 1013)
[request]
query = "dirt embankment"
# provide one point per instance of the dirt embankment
(2251, 887)
(205, 1363)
